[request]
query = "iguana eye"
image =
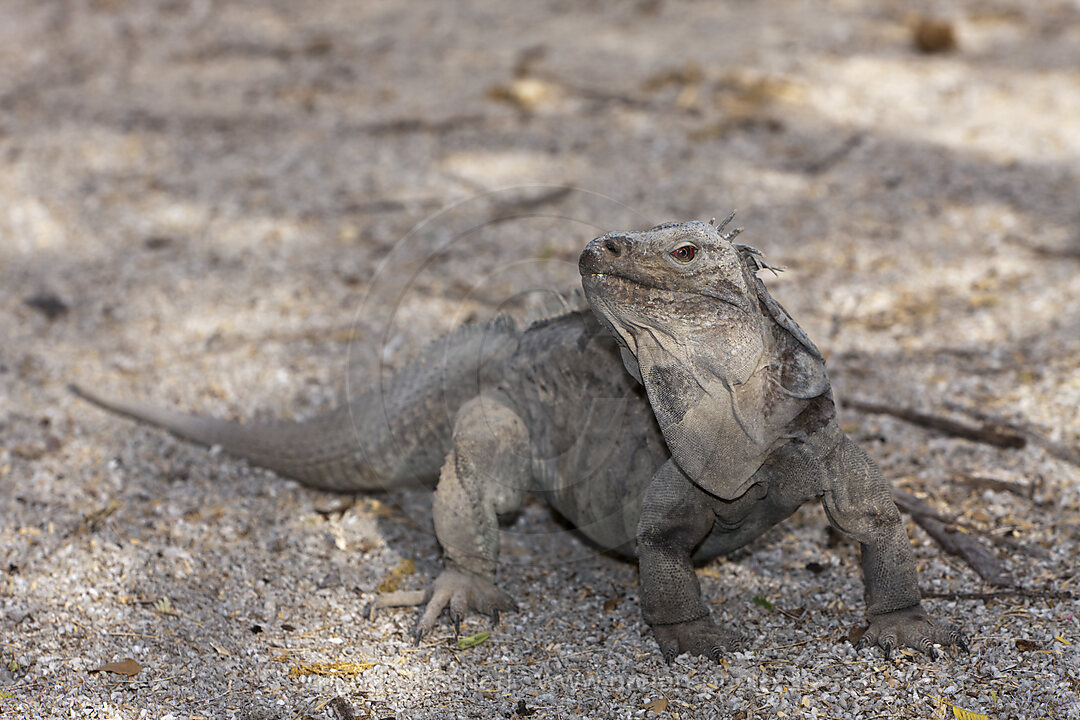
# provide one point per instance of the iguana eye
(684, 253)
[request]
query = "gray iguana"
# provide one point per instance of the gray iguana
(492, 412)
(744, 403)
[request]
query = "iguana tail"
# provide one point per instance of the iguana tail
(395, 435)
(319, 452)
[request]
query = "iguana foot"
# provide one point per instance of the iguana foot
(460, 593)
(910, 628)
(697, 637)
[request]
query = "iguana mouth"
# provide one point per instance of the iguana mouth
(728, 296)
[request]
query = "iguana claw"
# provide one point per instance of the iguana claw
(460, 593)
(697, 637)
(910, 628)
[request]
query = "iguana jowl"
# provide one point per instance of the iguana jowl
(491, 412)
(744, 403)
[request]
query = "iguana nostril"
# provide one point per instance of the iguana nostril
(616, 244)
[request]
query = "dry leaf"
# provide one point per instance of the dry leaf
(794, 613)
(960, 713)
(658, 705)
(1024, 645)
(856, 632)
(127, 666)
(931, 35)
(342, 709)
(336, 669)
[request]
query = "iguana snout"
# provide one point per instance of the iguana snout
(682, 262)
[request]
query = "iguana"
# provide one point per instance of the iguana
(745, 406)
(492, 412)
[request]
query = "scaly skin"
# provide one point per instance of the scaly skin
(491, 413)
(744, 403)
(548, 410)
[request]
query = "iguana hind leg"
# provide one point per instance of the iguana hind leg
(485, 475)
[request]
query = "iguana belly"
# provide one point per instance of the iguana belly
(598, 483)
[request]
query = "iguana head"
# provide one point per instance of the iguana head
(724, 365)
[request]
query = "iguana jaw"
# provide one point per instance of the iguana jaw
(604, 284)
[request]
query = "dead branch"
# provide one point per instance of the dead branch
(1036, 593)
(965, 546)
(987, 483)
(985, 434)
(1059, 450)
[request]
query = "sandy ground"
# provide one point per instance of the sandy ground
(244, 207)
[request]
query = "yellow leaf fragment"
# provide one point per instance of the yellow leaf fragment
(527, 93)
(390, 584)
(164, 607)
(961, 714)
(347, 670)
(373, 507)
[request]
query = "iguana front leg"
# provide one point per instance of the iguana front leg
(485, 475)
(858, 502)
(676, 516)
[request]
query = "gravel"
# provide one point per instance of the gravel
(245, 208)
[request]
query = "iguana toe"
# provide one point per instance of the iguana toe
(460, 593)
(911, 628)
(697, 637)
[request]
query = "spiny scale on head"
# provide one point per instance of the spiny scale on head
(751, 254)
(724, 224)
